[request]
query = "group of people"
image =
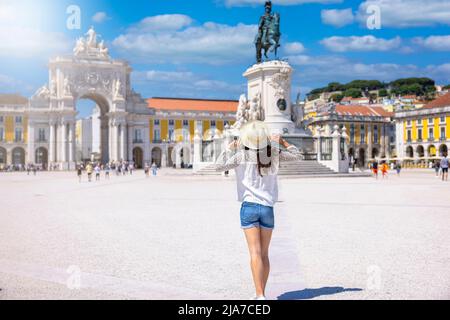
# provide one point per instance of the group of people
(119, 168)
(376, 167)
(441, 168)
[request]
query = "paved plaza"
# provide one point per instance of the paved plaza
(177, 236)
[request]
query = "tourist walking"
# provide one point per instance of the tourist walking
(375, 169)
(131, 168)
(384, 169)
(256, 164)
(444, 167)
(89, 170)
(154, 169)
(147, 170)
(97, 172)
(398, 167)
(437, 167)
(107, 170)
(79, 172)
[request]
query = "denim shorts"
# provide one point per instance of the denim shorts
(255, 215)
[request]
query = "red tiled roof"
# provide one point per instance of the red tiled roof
(13, 99)
(442, 101)
(174, 104)
(366, 111)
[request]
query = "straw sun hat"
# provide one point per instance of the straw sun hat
(255, 135)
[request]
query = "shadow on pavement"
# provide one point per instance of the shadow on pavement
(313, 293)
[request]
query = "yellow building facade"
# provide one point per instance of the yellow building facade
(13, 130)
(424, 133)
(370, 130)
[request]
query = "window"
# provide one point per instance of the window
(156, 122)
(171, 122)
(41, 136)
(1, 134)
(430, 134)
(137, 136)
(431, 121)
(375, 134)
(171, 136)
(185, 123)
(419, 122)
(363, 134)
(157, 135)
(352, 133)
(408, 122)
(442, 119)
(409, 135)
(419, 135)
(18, 135)
(213, 123)
(18, 120)
(1, 119)
(443, 137)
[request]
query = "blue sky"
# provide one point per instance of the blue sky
(200, 48)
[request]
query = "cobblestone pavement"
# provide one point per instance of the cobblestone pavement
(177, 237)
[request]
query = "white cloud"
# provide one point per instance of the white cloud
(11, 85)
(337, 18)
(293, 48)
(435, 43)
(408, 13)
(363, 43)
(316, 71)
(241, 3)
(164, 76)
(164, 22)
(20, 35)
(180, 41)
(185, 84)
(100, 17)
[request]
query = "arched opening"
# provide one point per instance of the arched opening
(362, 157)
(92, 129)
(2, 157)
(171, 157)
(138, 157)
(351, 153)
(18, 157)
(185, 157)
(420, 151)
(375, 153)
(41, 157)
(432, 151)
(157, 156)
(410, 152)
(443, 150)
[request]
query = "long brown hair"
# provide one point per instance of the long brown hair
(263, 158)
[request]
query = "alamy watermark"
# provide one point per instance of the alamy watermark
(74, 280)
(374, 278)
(73, 21)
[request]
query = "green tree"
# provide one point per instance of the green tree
(337, 97)
(353, 92)
(383, 93)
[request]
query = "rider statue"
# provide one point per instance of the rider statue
(268, 37)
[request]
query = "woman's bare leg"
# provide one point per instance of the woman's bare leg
(254, 246)
(266, 236)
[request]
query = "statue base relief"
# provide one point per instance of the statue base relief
(272, 81)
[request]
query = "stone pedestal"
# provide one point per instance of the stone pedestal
(272, 81)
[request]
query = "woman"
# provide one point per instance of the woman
(256, 166)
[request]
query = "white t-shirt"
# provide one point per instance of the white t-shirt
(251, 186)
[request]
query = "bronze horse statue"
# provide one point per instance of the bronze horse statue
(268, 38)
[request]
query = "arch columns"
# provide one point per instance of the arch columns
(31, 142)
